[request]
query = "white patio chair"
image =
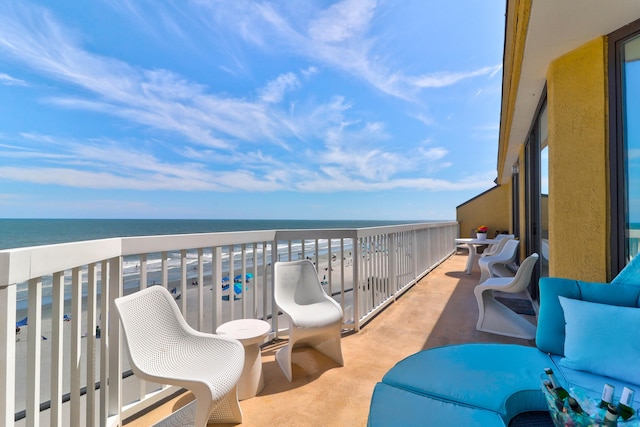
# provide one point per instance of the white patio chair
(164, 349)
(507, 255)
(315, 319)
(497, 247)
(497, 318)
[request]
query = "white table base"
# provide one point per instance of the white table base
(471, 244)
(251, 333)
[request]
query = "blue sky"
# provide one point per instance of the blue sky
(356, 109)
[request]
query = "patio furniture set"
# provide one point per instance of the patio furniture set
(586, 333)
(224, 368)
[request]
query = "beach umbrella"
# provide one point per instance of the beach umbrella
(237, 288)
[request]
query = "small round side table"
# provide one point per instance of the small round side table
(251, 333)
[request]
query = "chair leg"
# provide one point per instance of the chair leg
(480, 301)
(328, 344)
(283, 356)
(331, 346)
(226, 410)
(496, 318)
(484, 273)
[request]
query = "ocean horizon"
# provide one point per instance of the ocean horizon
(20, 233)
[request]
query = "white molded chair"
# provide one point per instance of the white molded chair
(497, 318)
(164, 349)
(497, 247)
(507, 255)
(315, 319)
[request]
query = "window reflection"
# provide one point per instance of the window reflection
(631, 131)
(544, 194)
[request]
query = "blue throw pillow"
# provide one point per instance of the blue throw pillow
(601, 339)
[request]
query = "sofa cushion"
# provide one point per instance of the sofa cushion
(498, 377)
(550, 333)
(630, 274)
(391, 406)
(600, 338)
(591, 382)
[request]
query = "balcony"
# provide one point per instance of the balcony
(410, 270)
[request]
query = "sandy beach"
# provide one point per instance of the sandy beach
(251, 300)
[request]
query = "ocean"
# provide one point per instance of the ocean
(19, 233)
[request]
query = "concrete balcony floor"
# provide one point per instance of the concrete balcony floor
(439, 310)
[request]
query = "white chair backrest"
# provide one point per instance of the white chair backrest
(297, 282)
(505, 236)
(508, 251)
(545, 249)
(523, 275)
(150, 319)
(496, 247)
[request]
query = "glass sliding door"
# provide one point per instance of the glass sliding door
(543, 244)
(537, 196)
(631, 132)
(624, 91)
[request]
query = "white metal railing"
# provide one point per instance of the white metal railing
(71, 347)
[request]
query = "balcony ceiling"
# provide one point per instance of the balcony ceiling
(555, 27)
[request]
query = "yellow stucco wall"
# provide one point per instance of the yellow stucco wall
(578, 177)
(491, 208)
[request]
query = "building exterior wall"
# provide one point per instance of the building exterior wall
(491, 208)
(578, 159)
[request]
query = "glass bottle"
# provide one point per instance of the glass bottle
(611, 417)
(557, 388)
(549, 386)
(575, 406)
(607, 396)
(625, 407)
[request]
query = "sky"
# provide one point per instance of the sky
(204, 109)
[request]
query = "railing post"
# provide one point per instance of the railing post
(104, 348)
(265, 287)
(414, 253)
(201, 288)
(92, 294)
(183, 282)
(393, 264)
(76, 345)
(57, 354)
(355, 259)
(216, 294)
(114, 342)
(7, 354)
(274, 306)
(34, 351)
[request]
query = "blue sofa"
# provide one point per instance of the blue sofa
(580, 324)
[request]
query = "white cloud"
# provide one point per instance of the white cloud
(156, 98)
(342, 21)
(7, 80)
(275, 90)
(227, 143)
(441, 79)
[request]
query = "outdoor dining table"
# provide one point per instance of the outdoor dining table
(471, 244)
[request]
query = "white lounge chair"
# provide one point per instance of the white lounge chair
(497, 247)
(315, 319)
(497, 318)
(507, 255)
(164, 349)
